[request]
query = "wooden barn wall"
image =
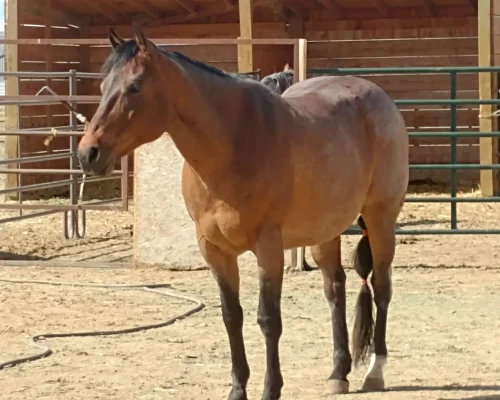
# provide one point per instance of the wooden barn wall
(411, 43)
(364, 43)
(220, 56)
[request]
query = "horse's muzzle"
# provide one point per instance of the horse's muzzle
(95, 160)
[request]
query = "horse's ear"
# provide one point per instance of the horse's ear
(114, 38)
(140, 38)
(287, 67)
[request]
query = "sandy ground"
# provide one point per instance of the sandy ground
(442, 335)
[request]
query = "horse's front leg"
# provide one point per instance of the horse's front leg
(225, 270)
(270, 259)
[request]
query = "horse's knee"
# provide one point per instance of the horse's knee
(269, 316)
(232, 312)
(335, 289)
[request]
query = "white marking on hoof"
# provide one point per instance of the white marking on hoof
(336, 386)
(374, 378)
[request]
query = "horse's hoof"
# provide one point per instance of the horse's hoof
(336, 386)
(373, 385)
(237, 394)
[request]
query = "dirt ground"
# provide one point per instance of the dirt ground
(442, 334)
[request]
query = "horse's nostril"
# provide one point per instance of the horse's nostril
(93, 154)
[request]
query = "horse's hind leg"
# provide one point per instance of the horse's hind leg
(328, 258)
(306, 265)
(381, 224)
(225, 270)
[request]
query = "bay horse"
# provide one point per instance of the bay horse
(266, 173)
(279, 82)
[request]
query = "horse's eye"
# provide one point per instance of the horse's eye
(134, 87)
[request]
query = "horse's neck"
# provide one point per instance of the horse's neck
(199, 131)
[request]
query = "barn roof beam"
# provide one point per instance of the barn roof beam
(148, 8)
(430, 8)
(295, 9)
(104, 8)
(60, 15)
(217, 9)
(332, 5)
(188, 5)
(382, 8)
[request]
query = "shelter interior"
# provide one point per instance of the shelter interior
(340, 33)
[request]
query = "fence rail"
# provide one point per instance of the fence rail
(453, 134)
(74, 213)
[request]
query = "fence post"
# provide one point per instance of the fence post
(73, 164)
(453, 156)
(488, 147)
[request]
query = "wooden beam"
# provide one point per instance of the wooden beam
(149, 9)
(11, 89)
(106, 9)
(85, 86)
(245, 51)
(382, 8)
(430, 8)
(332, 5)
(302, 70)
(214, 10)
(188, 5)
(295, 28)
(48, 52)
(295, 9)
(488, 147)
(474, 4)
(60, 15)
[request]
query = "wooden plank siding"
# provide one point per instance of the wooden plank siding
(431, 42)
(407, 42)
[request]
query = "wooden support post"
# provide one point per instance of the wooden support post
(488, 147)
(300, 74)
(85, 85)
(48, 52)
(302, 67)
(245, 51)
(11, 89)
(295, 26)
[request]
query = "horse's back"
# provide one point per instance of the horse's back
(379, 124)
(348, 131)
(356, 108)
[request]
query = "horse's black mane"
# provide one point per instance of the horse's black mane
(128, 50)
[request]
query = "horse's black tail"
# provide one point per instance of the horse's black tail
(363, 324)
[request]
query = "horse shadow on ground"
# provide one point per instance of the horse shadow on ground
(486, 397)
(454, 388)
(77, 251)
(8, 256)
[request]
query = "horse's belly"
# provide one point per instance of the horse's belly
(319, 222)
(326, 201)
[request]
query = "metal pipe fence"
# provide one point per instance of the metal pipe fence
(453, 134)
(74, 213)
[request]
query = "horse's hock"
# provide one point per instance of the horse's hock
(164, 234)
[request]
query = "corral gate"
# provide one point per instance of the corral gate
(453, 102)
